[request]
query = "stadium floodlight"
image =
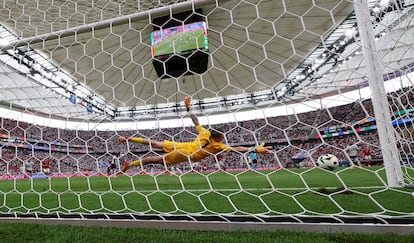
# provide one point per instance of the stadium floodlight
(349, 33)
(5, 37)
(3, 42)
(384, 3)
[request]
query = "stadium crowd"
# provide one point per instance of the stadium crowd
(292, 136)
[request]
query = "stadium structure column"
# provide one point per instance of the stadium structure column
(386, 132)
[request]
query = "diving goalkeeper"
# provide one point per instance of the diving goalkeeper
(208, 142)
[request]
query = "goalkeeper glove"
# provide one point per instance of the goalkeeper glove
(261, 149)
(187, 102)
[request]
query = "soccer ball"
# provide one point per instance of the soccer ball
(327, 161)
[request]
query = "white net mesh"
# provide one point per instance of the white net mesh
(77, 75)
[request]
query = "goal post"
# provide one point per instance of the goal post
(386, 132)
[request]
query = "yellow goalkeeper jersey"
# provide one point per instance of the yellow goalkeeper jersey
(200, 148)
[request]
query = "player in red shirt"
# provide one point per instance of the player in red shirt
(46, 166)
(366, 152)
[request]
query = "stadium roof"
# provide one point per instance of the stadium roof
(99, 53)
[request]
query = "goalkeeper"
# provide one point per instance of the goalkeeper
(208, 142)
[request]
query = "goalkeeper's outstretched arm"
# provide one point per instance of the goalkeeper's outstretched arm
(261, 149)
(187, 103)
(194, 119)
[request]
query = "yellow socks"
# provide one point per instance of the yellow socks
(135, 163)
(137, 140)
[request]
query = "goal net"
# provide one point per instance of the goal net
(328, 85)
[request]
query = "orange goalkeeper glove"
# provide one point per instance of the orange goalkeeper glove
(122, 139)
(187, 102)
(261, 149)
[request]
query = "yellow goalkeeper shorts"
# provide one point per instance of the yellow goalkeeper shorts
(177, 152)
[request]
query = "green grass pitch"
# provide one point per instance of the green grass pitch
(287, 191)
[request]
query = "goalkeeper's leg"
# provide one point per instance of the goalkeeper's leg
(154, 143)
(144, 161)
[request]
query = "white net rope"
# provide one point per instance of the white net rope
(286, 73)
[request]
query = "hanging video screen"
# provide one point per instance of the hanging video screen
(181, 39)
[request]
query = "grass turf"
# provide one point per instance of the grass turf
(19, 232)
(294, 191)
